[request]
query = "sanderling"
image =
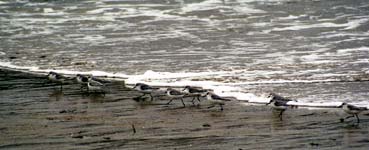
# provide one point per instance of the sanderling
(175, 94)
(55, 77)
(194, 92)
(278, 105)
(278, 97)
(82, 79)
(353, 110)
(145, 89)
(216, 100)
(94, 86)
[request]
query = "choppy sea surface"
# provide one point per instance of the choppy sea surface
(315, 51)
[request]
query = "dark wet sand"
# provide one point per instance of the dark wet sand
(37, 115)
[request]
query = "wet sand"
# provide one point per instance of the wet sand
(35, 114)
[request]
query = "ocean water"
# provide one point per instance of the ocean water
(315, 51)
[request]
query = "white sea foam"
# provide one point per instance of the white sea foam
(48, 10)
(165, 79)
(343, 34)
(321, 104)
(310, 58)
(351, 50)
(99, 10)
(11, 66)
(290, 17)
(360, 61)
(352, 24)
(1, 2)
(205, 5)
(216, 4)
(151, 75)
(245, 9)
(37, 70)
(302, 26)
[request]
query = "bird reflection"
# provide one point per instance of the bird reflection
(57, 95)
(96, 97)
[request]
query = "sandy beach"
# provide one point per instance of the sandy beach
(36, 114)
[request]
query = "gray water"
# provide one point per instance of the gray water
(310, 50)
(288, 38)
(249, 41)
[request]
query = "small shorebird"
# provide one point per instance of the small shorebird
(278, 105)
(145, 89)
(55, 77)
(175, 94)
(194, 92)
(216, 100)
(96, 87)
(353, 110)
(279, 98)
(82, 79)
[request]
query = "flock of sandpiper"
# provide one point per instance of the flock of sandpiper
(276, 102)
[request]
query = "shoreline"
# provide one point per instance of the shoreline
(237, 96)
(37, 115)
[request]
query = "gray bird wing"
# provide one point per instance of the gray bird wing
(59, 76)
(95, 83)
(219, 98)
(147, 87)
(84, 79)
(280, 98)
(175, 92)
(195, 90)
(280, 103)
(352, 107)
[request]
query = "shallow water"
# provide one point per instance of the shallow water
(38, 115)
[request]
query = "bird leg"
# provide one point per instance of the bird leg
(183, 102)
(221, 107)
(170, 101)
(280, 114)
(193, 100)
(211, 106)
(152, 97)
(357, 117)
(83, 86)
(198, 98)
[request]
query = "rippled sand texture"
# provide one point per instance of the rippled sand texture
(37, 115)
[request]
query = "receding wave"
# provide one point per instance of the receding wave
(219, 82)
